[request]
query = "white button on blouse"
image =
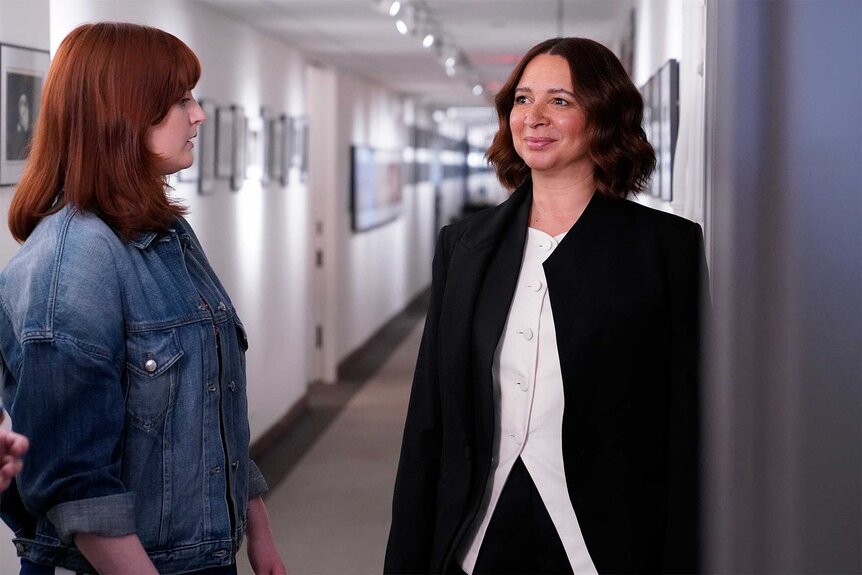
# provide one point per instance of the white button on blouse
(529, 403)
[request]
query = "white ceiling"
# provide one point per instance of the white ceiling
(358, 37)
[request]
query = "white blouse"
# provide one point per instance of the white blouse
(529, 402)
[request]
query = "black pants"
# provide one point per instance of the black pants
(521, 537)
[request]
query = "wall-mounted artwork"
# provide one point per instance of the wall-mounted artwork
(22, 75)
(376, 183)
(206, 149)
(256, 144)
(661, 124)
(240, 137)
(276, 151)
(299, 145)
(224, 142)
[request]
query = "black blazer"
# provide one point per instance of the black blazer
(624, 285)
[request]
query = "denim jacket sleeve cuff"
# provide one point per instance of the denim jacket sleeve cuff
(256, 483)
(110, 515)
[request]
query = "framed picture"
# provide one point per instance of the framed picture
(668, 79)
(22, 75)
(276, 151)
(256, 144)
(239, 160)
(376, 187)
(206, 149)
(299, 147)
(224, 142)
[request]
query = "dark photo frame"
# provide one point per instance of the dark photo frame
(239, 158)
(206, 146)
(276, 152)
(299, 145)
(22, 76)
(224, 142)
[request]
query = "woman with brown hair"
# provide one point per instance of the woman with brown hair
(552, 425)
(122, 355)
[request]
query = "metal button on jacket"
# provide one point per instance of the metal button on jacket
(150, 365)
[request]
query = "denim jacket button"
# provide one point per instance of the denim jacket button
(221, 306)
(232, 385)
(150, 365)
(20, 548)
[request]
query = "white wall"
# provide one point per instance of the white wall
(381, 270)
(23, 23)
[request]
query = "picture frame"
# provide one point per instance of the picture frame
(299, 147)
(206, 146)
(376, 187)
(668, 79)
(224, 142)
(276, 156)
(238, 159)
(661, 125)
(22, 77)
(256, 146)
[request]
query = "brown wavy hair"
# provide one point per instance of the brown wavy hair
(108, 84)
(623, 157)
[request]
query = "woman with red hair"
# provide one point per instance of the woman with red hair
(122, 355)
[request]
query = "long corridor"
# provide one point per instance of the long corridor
(330, 513)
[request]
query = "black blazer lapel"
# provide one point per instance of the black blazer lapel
(581, 275)
(492, 309)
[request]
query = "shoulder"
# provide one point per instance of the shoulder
(664, 225)
(486, 225)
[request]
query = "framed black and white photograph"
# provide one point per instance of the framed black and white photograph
(22, 75)
(256, 144)
(224, 122)
(668, 79)
(276, 151)
(206, 149)
(299, 145)
(240, 136)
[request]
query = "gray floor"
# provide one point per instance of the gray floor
(330, 512)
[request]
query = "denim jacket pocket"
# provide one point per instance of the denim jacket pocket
(151, 369)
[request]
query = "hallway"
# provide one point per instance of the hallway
(330, 513)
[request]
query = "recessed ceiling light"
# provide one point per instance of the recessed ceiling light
(402, 27)
(394, 8)
(428, 40)
(478, 90)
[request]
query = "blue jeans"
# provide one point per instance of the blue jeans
(30, 568)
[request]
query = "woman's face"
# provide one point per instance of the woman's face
(548, 125)
(171, 139)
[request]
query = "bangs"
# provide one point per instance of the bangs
(187, 70)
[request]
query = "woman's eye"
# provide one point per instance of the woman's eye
(520, 99)
(560, 102)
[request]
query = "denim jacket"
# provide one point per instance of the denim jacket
(124, 363)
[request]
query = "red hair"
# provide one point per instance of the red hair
(108, 84)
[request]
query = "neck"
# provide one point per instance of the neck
(559, 202)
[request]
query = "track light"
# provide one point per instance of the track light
(428, 40)
(478, 90)
(402, 27)
(394, 8)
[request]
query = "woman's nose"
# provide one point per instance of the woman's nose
(198, 115)
(534, 115)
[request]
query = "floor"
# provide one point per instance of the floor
(330, 511)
